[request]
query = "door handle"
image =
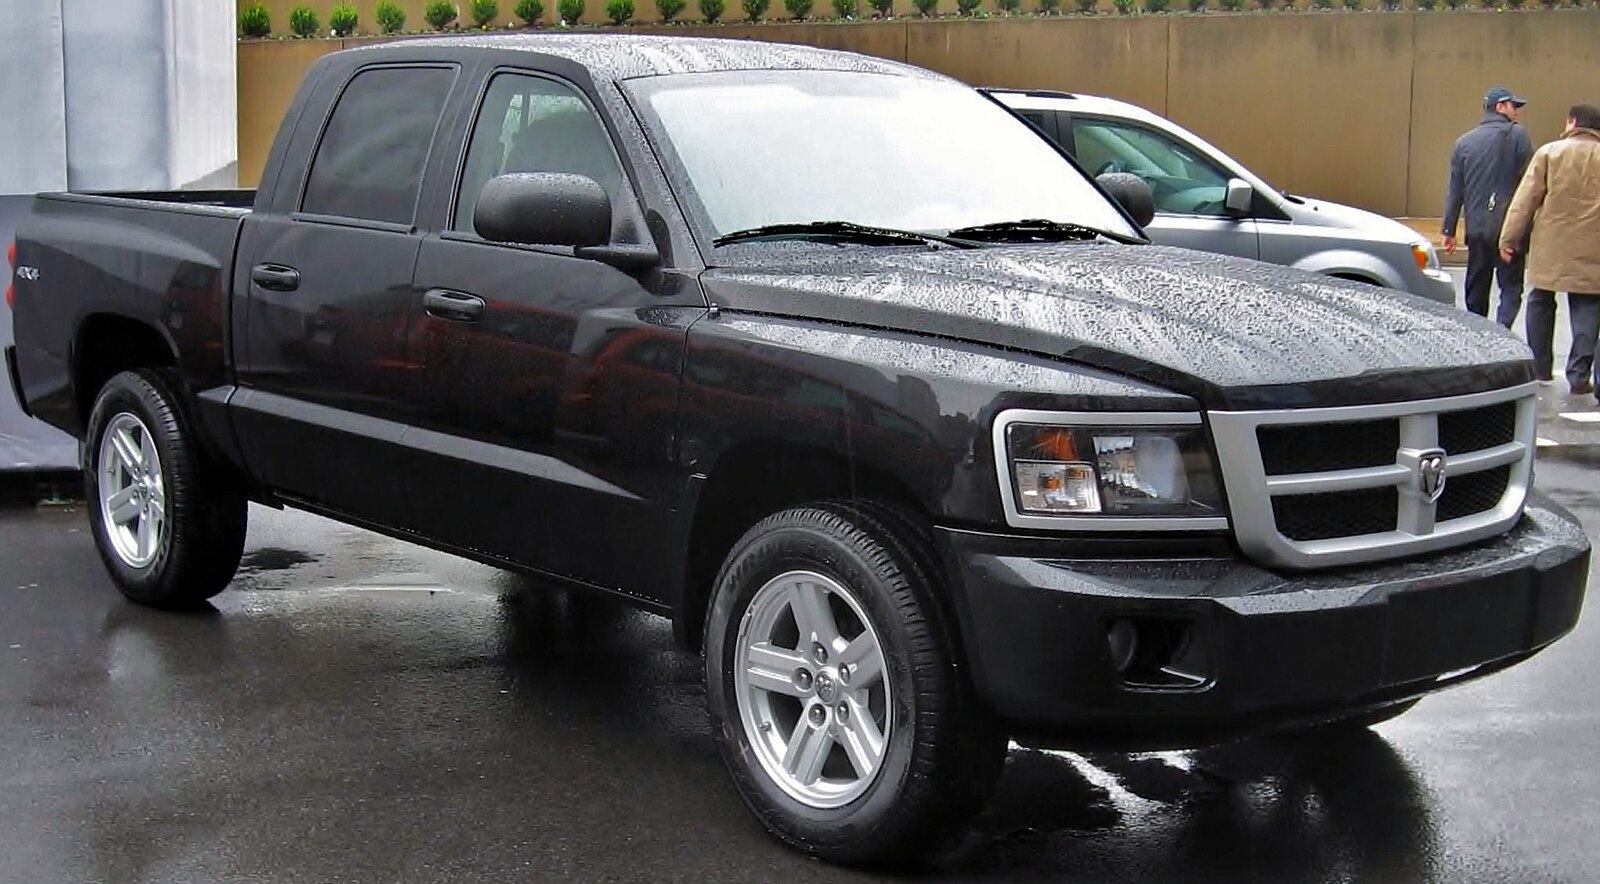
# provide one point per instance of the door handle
(456, 306)
(275, 277)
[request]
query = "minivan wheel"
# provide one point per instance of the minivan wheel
(168, 523)
(833, 688)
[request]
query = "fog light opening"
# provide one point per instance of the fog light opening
(1159, 653)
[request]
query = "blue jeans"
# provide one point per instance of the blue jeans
(1583, 312)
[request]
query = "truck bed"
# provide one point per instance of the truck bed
(161, 260)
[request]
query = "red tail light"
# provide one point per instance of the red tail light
(11, 269)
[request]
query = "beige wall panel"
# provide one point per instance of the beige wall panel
(1331, 105)
(1317, 104)
(1120, 57)
(1550, 58)
(269, 73)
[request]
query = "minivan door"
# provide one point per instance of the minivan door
(1190, 191)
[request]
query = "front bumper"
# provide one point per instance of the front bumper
(1272, 650)
(1437, 285)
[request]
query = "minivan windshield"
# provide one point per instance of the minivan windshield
(762, 148)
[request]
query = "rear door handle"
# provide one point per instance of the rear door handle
(456, 306)
(275, 277)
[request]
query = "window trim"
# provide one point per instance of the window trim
(458, 179)
(298, 211)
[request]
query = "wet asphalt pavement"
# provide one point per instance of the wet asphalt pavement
(357, 709)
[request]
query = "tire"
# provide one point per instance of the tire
(865, 572)
(171, 534)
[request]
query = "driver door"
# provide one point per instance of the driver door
(1189, 190)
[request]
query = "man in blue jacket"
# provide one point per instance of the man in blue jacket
(1485, 167)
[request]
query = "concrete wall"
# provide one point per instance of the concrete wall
(1359, 108)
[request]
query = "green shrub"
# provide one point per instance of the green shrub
(1322, 4)
(711, 10)
(799, 10)
(484, 12)
(755, 9)
(255, 21)
(926, 7)
(441, 14)
(1049, 7)
(1264, 5)
(1427, 5)
(1007, 7)
(1231, 5)
(670, 9)
(850, 9)
(1124, 7)
(570, 12)
(619, 11)
(1157, 6)
(1515, 4)
(1354, 5)
(391, 18)
(967, 7)
(303, 22)
(342, 20)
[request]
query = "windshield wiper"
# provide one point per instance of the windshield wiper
(848, 231)
(1031, 230)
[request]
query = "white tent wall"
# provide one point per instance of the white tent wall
(107, 95)
(150, 93)
(32, 98)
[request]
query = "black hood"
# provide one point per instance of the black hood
(1234, 334)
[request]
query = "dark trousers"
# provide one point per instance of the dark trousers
(1583, 311)
(1483, 263)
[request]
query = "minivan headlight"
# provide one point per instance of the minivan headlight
(1111, 470)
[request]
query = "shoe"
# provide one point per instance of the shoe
(1582, 388)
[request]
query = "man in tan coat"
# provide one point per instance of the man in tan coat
(1560, 197)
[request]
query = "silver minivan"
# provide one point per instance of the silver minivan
(1206, 200)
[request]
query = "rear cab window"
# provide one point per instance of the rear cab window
(369, 163)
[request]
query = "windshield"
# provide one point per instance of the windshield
(776, 147)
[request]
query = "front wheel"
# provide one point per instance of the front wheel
(169, 523)
(833, 687)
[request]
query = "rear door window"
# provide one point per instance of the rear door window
(370, 161)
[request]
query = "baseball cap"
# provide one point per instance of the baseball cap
(1501, 93)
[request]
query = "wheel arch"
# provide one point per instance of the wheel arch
(106, 344)
(752, 480)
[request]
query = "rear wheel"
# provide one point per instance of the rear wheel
(169, 524)
(833, 687)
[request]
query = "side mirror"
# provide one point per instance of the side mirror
(1132, 193)
(544, 208)
(1241, 197)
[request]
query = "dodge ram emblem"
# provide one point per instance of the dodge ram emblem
(1430, 474)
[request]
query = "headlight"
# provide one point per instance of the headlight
(1128, 470)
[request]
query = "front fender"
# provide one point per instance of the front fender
(915, 409)
(1349, 263)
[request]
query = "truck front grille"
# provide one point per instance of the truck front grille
(1334, 486)
(1336, 513)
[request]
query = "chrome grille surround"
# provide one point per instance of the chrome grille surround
(1250, 490)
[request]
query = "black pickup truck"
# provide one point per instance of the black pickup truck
(830, 360)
